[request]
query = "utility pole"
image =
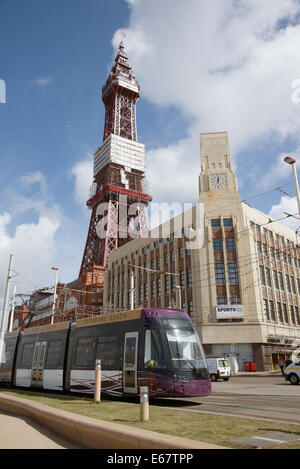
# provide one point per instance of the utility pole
(54, 295)
(4, 310)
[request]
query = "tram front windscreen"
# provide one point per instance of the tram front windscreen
(184, 344)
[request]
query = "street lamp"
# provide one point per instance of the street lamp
(179, 294)
(54, 296)
(292, 162)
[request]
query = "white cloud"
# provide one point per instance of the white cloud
(83, 174)
(227, 65)
(287, 205)
(32, 243)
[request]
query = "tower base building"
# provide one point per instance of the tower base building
(239, 281)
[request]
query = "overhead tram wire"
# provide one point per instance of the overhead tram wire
(222, 207)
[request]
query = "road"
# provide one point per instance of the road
(257, 395)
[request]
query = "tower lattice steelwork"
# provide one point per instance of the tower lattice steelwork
(117, 200)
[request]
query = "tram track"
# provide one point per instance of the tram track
(256, 407)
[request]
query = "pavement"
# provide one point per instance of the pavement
(27, 424)
(24, 433)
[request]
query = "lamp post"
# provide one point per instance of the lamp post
(179, 294)
(4, 310)
(54, 296)
(292, 162)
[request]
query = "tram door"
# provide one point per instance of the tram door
(38, 364)
(130, 362)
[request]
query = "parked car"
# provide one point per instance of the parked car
(218, 368)
(292, 372)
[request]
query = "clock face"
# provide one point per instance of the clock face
(217, 181)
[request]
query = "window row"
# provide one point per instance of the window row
(229, 243)
(227, 223)
(234, 300)
(269, 310)
(278, 255)
(278, 279)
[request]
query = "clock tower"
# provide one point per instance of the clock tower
(217, 180)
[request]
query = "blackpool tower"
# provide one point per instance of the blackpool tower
(117, 201)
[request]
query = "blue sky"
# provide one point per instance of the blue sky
(211, 66)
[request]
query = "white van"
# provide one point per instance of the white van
(292, 372)
(218, 368)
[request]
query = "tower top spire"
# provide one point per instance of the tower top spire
(119, 95)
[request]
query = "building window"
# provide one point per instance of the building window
(220, 274)
(182, 284)
(262, 275)
(235, 300)
(167, 285)
(218, 244)
(279, 311)
(228, 223)
(222, 300)
(297, 315)
(158, 287)
(275, 278)
(166, 259)
(190, 308)
(264, 249)
(293, 285)
(288, 284)
(172, 256)
(285, 314)
(189, 277)
(173, 282)
(233, 273)
(272, 310)
(268, 277)
(181, 255)
(153, 264)
(266, 310)
(216, 223)
(281, 281)
(153, 289)
(230, 244)
(292, 314)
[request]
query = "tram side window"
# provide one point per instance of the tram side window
(27, 354)
(55, 355)
(85, 353)
(154, 353)
(109, 352)
(8, 356)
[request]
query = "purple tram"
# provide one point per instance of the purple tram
(154, 347)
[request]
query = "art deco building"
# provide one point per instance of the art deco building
(240, 280)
